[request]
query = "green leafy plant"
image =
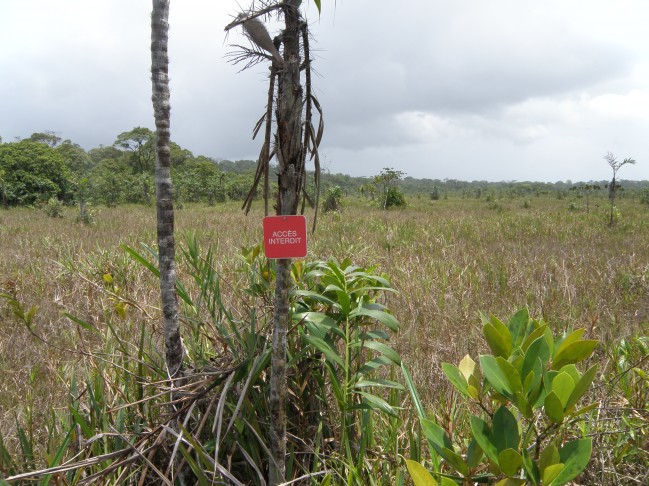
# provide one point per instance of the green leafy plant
(529, 392)
(339, 316)
(54, 208)
(333, 200)
(644, 196)
(387, 182)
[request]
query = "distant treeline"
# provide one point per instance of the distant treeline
(44, 166)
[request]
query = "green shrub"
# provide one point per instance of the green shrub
(54, 208)
(529, 392)
(394, 198)
(644, 196)
(333, 200)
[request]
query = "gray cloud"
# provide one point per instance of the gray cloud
(463, 89)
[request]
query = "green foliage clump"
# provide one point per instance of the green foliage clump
(644, 196)
(32, 172)
(387, 183)
(333, 200)
(394, 198)
(529, 391)
(54, 208)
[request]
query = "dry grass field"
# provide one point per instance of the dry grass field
(449, 260)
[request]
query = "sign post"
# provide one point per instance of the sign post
(285, 237)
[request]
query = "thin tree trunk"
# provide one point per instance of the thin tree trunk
(164, 201)
(289, 155)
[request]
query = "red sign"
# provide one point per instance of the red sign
(285, 236)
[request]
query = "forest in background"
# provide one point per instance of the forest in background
(45, 166)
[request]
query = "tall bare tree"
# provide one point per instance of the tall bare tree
(164, 201)
(613, 186)
(295, 138)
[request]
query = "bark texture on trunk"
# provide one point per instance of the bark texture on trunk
(289, 154)
(164, 200)
(277, 470)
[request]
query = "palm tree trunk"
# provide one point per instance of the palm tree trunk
(289, 155)
(164, 201)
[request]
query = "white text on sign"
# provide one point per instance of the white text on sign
(288, 237)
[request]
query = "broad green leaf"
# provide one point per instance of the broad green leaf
(531, 469)
(420, 476)
(474, 454)
(501, 328)
(547, 380)
(315, 330)
(383, 317)
(379, 382)
(534, 335)
(574, 353)
(572, 370)
(384, 349)
(536, 357)
(574, 456)
(455, 460)
(549, 338)
(436, 435)
(510, 462)
(330, 353)
(315, 296)
(529, 378)
(494, 375)
(504, 431)
(335, 272)
(377, 403)
(363, 290)
(582, 386)
(482, 435)
(553, 407)
(511, 374)
(318, 4)
(344, 302)
(516, 359)
(499, 344)
(317, 318)
(374, 334)
(510, 482)
(551, 472)
(565, 341)
(444, 481)
(518, 325)
(456, 377)
(562, 386)
(522, 405)
(374, 364)
(467, 367)
(549, 456)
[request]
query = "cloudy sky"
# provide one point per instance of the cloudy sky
(460, 89)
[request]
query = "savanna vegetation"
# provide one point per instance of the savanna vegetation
(439, 332)
(80, 339)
